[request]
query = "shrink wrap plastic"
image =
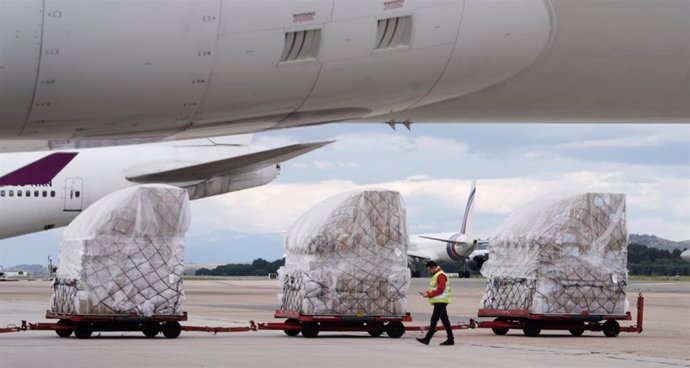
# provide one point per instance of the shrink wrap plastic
(124, 254)
(561, 256)
(348, 256)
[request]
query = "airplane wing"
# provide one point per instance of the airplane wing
(479, 253)
(443, 240)
(420, 254)
(230, 166)
(479, 242)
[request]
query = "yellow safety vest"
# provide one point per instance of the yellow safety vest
(443, 297)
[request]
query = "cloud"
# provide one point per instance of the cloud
(631, 141)
(325, 165)
(273, 208)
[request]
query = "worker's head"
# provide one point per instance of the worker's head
(430, 266)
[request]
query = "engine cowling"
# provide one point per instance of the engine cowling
(463, 248)
(475, 263)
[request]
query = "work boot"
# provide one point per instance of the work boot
(448, 342)
(424, 341)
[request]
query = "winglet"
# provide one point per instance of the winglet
(469, 209)
(39, 172)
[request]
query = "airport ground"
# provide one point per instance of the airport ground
(233, 302)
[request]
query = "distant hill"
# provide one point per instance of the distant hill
(659, 243)
(30, 269)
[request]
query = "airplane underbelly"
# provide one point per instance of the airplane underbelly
(606, 61)
(155, 68)
(21, 23)
(112, 66)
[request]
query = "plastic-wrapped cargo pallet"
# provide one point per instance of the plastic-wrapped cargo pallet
(561, 256)
(348, 256)
(124, 254)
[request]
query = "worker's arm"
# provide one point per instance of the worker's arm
(440, 286)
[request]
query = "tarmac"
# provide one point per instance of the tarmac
(665, 341)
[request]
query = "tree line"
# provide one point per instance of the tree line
(642, 260)
(259, 267)
(648, 261)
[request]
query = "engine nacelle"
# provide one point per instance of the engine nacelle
(462, 249)
(475, 263)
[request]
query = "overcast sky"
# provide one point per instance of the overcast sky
(432, 167)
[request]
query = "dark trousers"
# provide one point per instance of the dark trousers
(439, 312)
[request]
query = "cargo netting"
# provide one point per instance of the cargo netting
(561, 256)
(348, 256)
(124, 254)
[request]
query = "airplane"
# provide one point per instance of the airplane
(459, 246)
(685, 255)
(44, 190)
(84, 73)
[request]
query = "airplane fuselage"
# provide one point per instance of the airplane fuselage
(94, 173)
(444, 252)
(154, 68)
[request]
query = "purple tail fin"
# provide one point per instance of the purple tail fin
(39, 172)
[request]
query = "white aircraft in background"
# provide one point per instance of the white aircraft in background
(460, 246)
(43, 190)
(685, 255)
(85, 73)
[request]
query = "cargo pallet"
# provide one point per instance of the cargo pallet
(532, 324)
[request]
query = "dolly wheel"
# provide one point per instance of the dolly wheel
(611, 328)
(82, 331)
(61, 332)
(150, 329)
(310, 329)
(171, 329)
(502, 330)
(377, 331)
(395, 329)
(292, 321)
(531, 328)
(577, 331)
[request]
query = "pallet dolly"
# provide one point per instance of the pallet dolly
(83, 326)
(532, 324)
(310, 325)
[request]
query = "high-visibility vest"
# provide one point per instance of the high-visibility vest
(444, 297)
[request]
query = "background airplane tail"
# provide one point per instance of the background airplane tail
(466, 226)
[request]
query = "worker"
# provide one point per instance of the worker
(439, 297)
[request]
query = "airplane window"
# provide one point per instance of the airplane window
(45, 193)
(35, 193)
(76, 194)
(11, 193)
(19, 193)
(52, 193)
(28, 193)
(2, 193)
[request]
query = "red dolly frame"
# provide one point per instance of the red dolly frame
(532, 324)
(311, 325)
(83, 325)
